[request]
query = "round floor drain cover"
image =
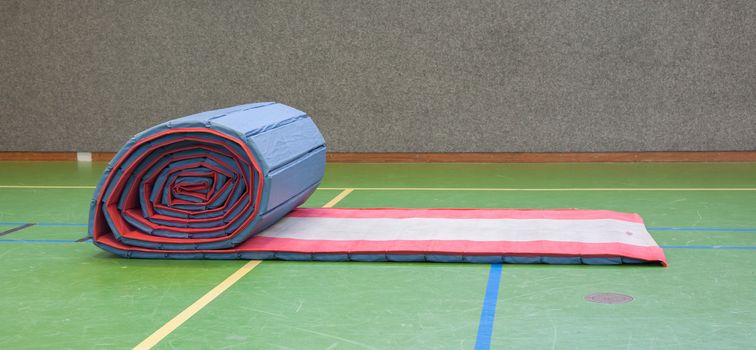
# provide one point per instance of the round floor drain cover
(608, 298)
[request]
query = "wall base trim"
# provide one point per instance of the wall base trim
(544, 157)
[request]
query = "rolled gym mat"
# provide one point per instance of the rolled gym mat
(207, 181)
(224, 184)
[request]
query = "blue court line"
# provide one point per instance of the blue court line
(37, 241)
(723, 229)
(727, 247)
(487, 313)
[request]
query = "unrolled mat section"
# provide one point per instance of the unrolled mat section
(225, 184)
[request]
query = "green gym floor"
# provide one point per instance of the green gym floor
(59, 291)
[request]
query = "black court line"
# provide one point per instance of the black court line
(17, 228)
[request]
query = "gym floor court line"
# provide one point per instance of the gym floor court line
(77, 296)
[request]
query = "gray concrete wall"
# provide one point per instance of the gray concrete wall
(472, 75)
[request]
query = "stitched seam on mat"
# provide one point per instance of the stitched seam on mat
(238, 110)
(268, 128)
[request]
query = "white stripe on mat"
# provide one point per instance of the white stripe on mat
(519, 230)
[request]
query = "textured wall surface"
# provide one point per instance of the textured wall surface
(471, 75)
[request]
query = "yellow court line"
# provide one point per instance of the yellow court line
(350, 189)
(177, 321)
(529, 189)
(338, 198)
